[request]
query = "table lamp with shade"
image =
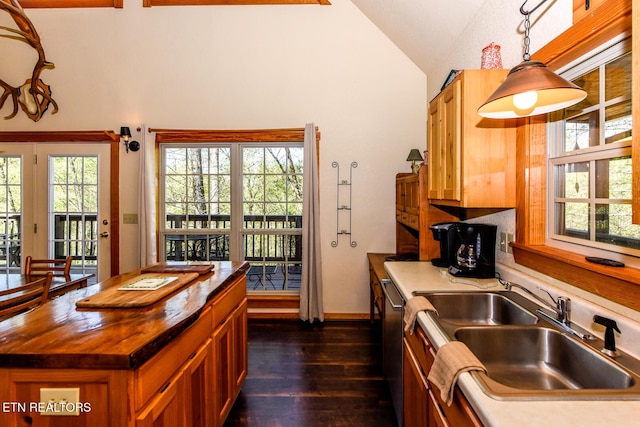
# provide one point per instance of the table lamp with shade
(415, 156)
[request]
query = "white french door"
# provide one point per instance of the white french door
(65, 207)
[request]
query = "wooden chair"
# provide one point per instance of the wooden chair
(59, 267)
(24, 298)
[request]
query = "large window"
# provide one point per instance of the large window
(590, 159)
(231, 201)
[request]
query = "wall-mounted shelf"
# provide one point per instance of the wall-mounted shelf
(343, 205)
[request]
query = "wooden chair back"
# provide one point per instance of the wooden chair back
(59, 267)
(23, 298)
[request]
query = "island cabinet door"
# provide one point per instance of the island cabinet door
(101, 402)
(197, 388)
(240, 346)
(223, 382)
(166, 408)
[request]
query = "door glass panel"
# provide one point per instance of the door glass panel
(74, 210)
(10, 212)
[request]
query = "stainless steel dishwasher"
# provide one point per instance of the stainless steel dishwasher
(392, 344)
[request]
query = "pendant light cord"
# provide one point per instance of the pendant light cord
(527, 27)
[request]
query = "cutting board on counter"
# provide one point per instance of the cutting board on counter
(143, 290)
(200, 268)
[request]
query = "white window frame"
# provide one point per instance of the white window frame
(237, 231)
(555, 156)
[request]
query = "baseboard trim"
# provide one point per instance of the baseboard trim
(295, 315)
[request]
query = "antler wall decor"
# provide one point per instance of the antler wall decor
(34, 96)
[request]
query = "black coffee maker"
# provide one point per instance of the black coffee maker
(447, 238)
(467, 249)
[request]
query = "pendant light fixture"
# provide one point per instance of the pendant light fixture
(530, 87)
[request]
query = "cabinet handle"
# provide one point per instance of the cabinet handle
(165, 387)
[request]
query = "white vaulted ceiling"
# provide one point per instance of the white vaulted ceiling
(422, 29)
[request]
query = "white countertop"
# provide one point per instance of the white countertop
(422, 276)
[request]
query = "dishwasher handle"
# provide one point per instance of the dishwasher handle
(396, 303)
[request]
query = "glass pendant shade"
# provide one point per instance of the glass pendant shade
(530, 89)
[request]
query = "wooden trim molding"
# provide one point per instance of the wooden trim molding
(601, 25)
(106, 136)
(621, 285)
(36, 4)
(617, 284)
(245, 135)
(273, 301)
(149, 3)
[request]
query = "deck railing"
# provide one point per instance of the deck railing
(260, 244)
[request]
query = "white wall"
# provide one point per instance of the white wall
(243, 67)
(501, 22)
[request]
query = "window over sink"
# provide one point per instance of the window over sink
(590, 157)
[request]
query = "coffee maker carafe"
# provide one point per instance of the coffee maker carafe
(474, 250)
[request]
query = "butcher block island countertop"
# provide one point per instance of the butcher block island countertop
(132, 365)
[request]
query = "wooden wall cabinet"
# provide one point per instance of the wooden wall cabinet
(471, 159)
(414, 215)
(423, 406)
(408, 200)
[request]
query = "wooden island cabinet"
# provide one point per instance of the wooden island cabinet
(179, 362)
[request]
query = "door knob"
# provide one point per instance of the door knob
(104, 234)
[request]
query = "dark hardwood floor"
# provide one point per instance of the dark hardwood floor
(305, 376)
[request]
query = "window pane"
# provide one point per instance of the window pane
(253, 160)
(613, 179)
(572, 219)
(272, 247)
(582, 132)
(590, 82)
(572, 180)
(197, 187)
(617, 127)
(184, 247)
(618, 77)
(614, 226)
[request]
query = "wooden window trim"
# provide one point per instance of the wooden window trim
(246, 135)
(80, 137)
(620, 285)
(149, 3)
(50, 4)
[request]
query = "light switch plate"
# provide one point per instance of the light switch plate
(130, 218)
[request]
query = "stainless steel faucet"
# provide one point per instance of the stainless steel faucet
(561, 307)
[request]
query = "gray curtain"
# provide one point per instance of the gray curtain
(147, 201)
(311, 306)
